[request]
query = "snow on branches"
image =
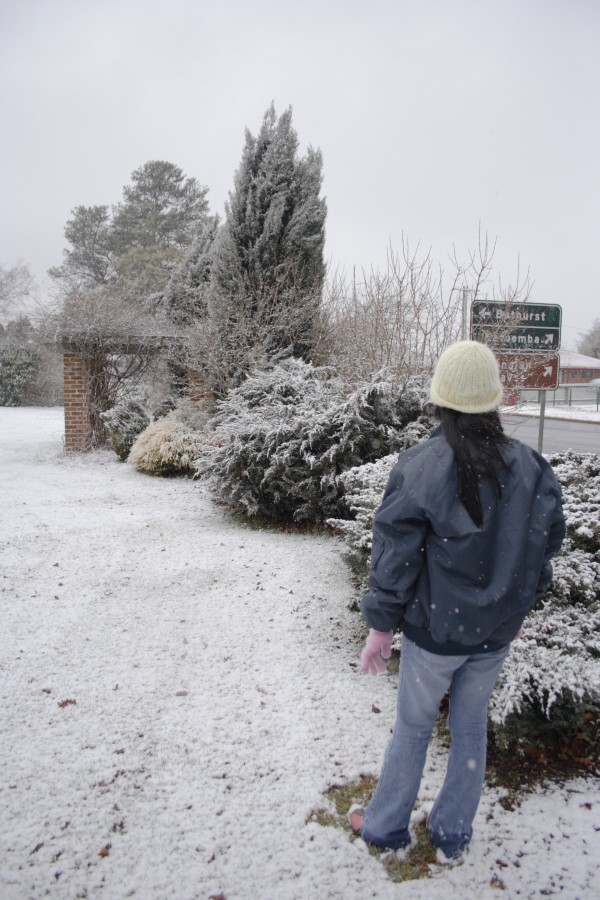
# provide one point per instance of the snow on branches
(285, 435)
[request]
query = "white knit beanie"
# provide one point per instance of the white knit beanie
(466, 378)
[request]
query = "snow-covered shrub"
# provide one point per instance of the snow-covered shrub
(552, 675)
(364, 486)
(553, 672)
(170, 445)
(579, 475)
(284, 436)
(163, 408)
(192, 415)
(123, 423)
(363, 490)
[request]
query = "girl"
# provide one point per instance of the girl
(462, 544)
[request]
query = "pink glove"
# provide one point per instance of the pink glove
(370, 660)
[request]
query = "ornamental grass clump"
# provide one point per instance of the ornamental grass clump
(170, 445)
(284, 436)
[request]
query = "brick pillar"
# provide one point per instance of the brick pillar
(198, 388)
(77, 427)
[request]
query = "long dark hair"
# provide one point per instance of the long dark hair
(477, 441)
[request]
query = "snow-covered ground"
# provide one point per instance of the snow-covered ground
(178, 690)
(573, 413)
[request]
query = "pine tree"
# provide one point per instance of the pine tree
(162, 213)
(268, 266)
(160, 207)
(90, 257)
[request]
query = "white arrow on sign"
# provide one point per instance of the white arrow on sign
(548, 370)
(549, 338)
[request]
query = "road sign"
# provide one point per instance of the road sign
(533, 371)
(516, 326)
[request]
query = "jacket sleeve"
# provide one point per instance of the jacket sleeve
(397, 558)
(556, 535)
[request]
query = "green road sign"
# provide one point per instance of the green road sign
(516, 326)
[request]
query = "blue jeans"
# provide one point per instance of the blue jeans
(424, 679)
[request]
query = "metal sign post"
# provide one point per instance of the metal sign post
(542, 419)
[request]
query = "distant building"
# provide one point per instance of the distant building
(577, 369)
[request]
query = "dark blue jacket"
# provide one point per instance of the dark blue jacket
(460, 588)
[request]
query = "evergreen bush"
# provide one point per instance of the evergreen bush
(284, 436)
(552, 677)
(19, 365)
(123, 423)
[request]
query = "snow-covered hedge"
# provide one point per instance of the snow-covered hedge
(554, 669)
(363, 490)
(170, 445)
(284, 436)
(552, 675)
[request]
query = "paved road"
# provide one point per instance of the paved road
(559, 434)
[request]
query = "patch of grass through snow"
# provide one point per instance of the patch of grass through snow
(262, 523)
(421, 855)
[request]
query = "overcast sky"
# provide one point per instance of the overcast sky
(433, 116)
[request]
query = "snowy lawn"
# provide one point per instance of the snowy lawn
(178, 692)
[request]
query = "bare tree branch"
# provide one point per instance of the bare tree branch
(403, 318)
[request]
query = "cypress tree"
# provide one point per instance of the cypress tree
(268, 266)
